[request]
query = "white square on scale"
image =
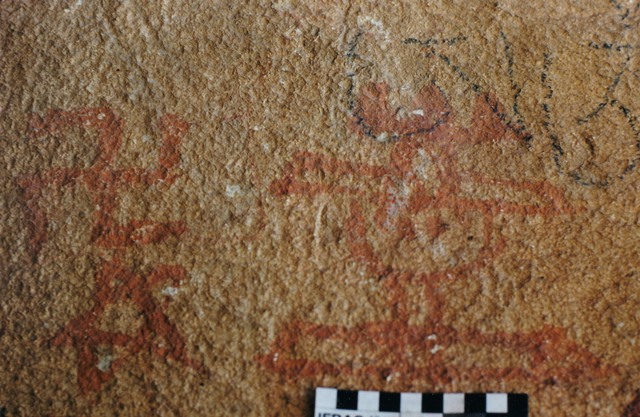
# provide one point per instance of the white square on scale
(453, 403)
(497, 403)
(368, 400)
(410, 401)
(326, 398)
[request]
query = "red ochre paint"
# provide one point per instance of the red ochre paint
(114, 283)
(102, 180)
(548, 356)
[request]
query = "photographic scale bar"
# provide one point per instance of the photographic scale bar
(332, 402)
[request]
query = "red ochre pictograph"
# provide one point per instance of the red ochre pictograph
(419, 197)
(156, 334)
(633, 408)
(101, 353)
(102, 180)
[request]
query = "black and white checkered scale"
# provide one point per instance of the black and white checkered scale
(332, 402)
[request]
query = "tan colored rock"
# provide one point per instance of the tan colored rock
(211, 208)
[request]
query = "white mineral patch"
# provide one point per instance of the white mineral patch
(74, 7)
(375, 27)
(104, 363)
(368, 20)
(233, 190)
(382, 137)
(170, 291)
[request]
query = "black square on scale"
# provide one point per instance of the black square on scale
(475, 403)
(347, 400)
(432, 403)
(518, 405)
(389, 401)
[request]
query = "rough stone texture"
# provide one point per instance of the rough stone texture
(210, 208)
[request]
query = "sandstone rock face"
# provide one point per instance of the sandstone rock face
(211, 208)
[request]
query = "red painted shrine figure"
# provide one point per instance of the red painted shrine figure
(101, 353)
(102, 179)
(415, 222)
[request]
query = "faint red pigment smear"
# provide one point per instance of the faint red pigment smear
(633, 409)
(102, 180)
(114, 283)
(550, 356)
(156, 334)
